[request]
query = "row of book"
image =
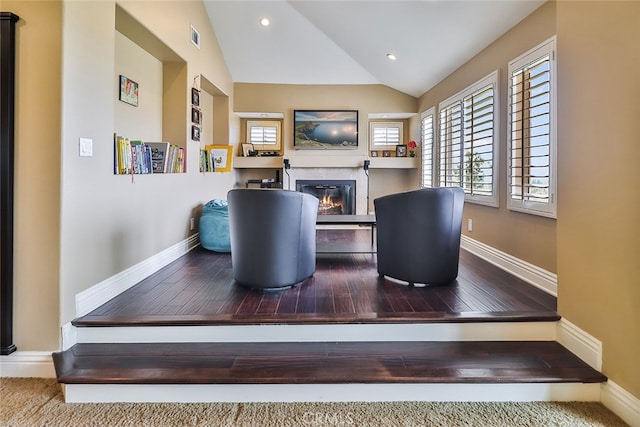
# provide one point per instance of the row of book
(138, 157)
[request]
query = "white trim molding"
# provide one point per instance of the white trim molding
(538, 277)
(621, 402)
(25, 364)
(580, 343)
(93, 297)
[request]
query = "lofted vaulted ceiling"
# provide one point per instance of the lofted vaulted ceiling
(347, 42)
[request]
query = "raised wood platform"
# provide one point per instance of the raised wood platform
(345, 334)
(198, 289)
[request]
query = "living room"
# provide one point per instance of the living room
(99, 225)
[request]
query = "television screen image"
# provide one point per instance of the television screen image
(325, 129)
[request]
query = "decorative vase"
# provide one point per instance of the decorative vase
(412, 154)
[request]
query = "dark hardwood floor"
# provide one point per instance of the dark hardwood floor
(198, 289)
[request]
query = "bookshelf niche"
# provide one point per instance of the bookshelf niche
(148, 138)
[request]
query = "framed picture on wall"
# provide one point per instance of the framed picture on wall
(196, 115)
(195, 97)
(128, 91)
(195, 133)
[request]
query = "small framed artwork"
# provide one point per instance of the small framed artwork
(374, 154)
(196, 115)
(401, 151)
(195, 132)
(247, 149)
(386, 153)
(220, 157)
(195, 37)
(128, 91)
(195, 97)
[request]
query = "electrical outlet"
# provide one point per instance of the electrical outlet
(469, 224)
(192, 223)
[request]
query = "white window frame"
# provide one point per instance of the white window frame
(491, 80)
(389, 125)
(546, 209)
(261, 145)
(428, 150)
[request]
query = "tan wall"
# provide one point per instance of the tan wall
(599, 179)
(37, 173)
(527, 237)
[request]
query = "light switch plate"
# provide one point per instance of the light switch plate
(86, 147)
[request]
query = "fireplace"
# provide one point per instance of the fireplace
(337, 197)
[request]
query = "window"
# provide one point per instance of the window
(383, 134)
(264, 134)
(531, 136)
(427, 136)
(468, 151)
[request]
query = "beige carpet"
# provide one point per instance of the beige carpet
(39, 402)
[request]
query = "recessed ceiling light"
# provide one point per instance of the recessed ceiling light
(391, 56)
(265, 22)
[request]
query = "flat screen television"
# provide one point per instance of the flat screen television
(325, 129)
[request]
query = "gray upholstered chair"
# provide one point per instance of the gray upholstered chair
(418, 235)
(273, 236)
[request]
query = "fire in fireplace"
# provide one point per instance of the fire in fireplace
(337, 197)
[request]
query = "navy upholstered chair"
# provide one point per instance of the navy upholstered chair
(273, 236)
(418, 235)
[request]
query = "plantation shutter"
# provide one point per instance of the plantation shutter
(478, 142)
(531, 172)
(427, 134)
(386, 133)
(451, 146)
(265, 135)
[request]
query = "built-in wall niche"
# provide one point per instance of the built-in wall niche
(214, 126)
(263, 131)
(163, 112)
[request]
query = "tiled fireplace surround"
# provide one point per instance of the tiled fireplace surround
(340, 173)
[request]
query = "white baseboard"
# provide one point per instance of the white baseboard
(93, 297)
(580, 343)
(26, 364)
(538, 277)
(621, 402)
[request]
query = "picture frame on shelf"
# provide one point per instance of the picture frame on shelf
(220, 157)
(128, 91)
(374, 153)
(247, 149)
(401, 150)
(195, 133)
(195, 97)
(386, 153)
